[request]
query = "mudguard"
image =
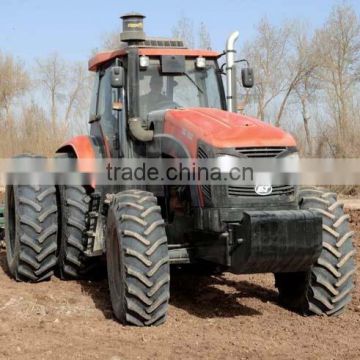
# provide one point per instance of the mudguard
(84, 149)
(81, 146)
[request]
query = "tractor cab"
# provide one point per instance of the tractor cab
(148, 75)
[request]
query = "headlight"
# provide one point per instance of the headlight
(294, 155)
(227, 162)
(290, 163)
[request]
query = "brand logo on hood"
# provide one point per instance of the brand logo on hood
(263, 190)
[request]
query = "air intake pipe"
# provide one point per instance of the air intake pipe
(231, 72)
(138, 132)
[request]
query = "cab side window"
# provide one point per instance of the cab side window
(105, 119)
(104, 107)
(94, 96)
(102, 99)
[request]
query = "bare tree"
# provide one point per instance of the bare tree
(300, 65)
(52, 78)
(304, 92)
(77, 95)
(14, 81)
(204, 37)
(285, 64)
(338, 46)
(111, 41)
(67, 87)
(33, 136)
(184, 30)
(267, 53)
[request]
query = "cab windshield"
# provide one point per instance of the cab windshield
(194, 88)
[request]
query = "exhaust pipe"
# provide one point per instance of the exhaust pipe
(231, 72)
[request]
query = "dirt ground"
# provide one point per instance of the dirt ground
(227, 317)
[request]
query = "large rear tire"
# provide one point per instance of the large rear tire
(137, 259)
(74, 210)
(31, 231)
(326, 288)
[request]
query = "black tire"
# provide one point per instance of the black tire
(74, 209)
(31, 217)
(137, 259)
(326, 288)
(2, 222)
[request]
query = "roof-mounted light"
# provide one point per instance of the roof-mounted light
(144, 62)
(200, 62)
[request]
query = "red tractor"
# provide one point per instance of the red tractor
(154, 98)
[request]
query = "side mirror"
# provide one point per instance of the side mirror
(247, 77)
(117, 77)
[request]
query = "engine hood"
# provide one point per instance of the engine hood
(222, 129)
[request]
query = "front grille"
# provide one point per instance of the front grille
(263, 152)
(260, 153)
(249, 191)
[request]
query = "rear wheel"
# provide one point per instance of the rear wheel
(326, 288)
(137, 259)
(74, 210)
(31, 231)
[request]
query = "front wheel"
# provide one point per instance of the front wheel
(326, 288)
(137, 259)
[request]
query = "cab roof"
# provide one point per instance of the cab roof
(101, 58)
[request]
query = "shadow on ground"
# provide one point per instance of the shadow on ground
(205, 296)
(96, 287)
(201, 295)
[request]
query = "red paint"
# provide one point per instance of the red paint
(191, 53)
(104, 57)
(222, 129)
(85, 153)
(82, 146)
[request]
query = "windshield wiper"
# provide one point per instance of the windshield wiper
(192, 80)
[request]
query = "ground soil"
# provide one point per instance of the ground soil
(221, 317)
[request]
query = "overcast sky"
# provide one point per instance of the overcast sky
(34, 28)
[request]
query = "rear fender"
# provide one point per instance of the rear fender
(82, 148)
